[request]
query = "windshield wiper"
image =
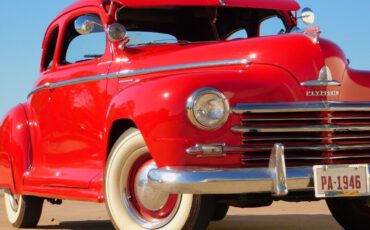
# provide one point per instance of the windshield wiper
(161, 41)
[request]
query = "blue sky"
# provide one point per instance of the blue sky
(23, 24)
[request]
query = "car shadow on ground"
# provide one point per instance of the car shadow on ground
(232, 222)
(276, 222)
(81, 225)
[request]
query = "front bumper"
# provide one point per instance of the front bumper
(276, 179)
(225, 181)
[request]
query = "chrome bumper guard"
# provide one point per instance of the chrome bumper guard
(276, 179)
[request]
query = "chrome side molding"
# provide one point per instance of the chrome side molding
(132, 73)
(206, 64)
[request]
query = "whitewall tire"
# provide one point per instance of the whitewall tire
(132, 204)
(23, 211)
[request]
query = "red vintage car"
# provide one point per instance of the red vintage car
(172, 111)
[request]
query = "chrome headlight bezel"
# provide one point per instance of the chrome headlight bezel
(195, 97)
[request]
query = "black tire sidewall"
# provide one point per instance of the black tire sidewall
(350, 213)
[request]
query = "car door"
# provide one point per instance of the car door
(71, 114)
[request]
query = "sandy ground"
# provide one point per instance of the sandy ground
(72, 215)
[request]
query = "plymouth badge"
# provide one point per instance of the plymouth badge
(320, 93)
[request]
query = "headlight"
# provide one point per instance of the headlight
(208, 108)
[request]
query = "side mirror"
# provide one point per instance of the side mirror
(308, 16)
(116, 32)
(88, 23)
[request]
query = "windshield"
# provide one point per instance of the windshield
(160, 25)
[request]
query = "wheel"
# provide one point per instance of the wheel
(220, 212)
(23, 211)
(132, 204)
(351, 213)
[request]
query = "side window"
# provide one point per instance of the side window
(47, 63)
(78, 47)
(238, 34)
(272, 26)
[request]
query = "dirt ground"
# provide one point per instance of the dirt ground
(73, 215)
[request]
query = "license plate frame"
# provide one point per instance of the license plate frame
(346, 180)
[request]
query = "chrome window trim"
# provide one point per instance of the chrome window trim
(131, 73)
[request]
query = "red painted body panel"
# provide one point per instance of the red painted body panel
(163, 120)
(65, 139)
(168, 132)
(15, 149)
(355, 81)
(6, 172)
(295, 53)
(70, 126)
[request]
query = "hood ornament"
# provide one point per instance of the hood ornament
(325, 79)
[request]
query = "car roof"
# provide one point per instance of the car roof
(261, 4)
(270, 4)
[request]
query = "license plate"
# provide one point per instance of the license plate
(341, 180)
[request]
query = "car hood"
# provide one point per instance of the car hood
(295, 53)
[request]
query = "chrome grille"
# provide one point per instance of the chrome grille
(312, 132)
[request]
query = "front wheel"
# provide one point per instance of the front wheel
(132, 204)
(351, 213)
(23, 211)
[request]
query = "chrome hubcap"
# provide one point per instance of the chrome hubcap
(150, 208)
(150, 198)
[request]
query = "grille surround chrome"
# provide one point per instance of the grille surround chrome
(310, 106)
(332, 132)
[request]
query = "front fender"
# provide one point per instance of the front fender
(356, 85)
(6, 172)
(158, 108)
(15, 149)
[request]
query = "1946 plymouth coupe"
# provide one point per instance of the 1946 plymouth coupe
(172, 111)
